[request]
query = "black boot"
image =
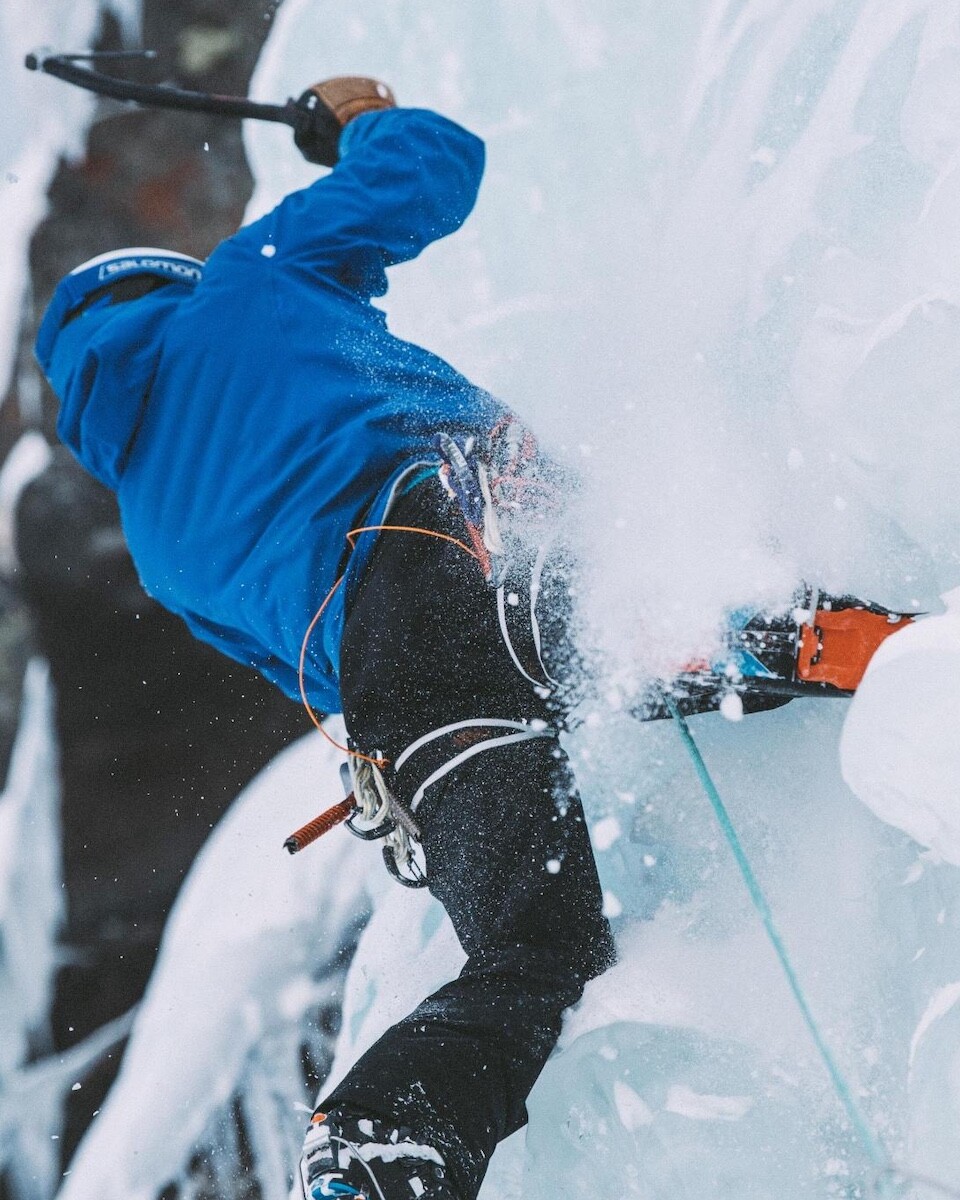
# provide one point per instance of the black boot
(346, 1156)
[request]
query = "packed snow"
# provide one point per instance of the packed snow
(715, 262)
(31, 910)
(899, 751)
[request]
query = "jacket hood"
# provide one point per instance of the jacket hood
(100, 349)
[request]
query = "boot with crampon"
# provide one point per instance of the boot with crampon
(348, 1157)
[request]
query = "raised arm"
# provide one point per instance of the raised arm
(405, 178)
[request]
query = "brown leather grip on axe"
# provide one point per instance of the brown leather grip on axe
(347, 96)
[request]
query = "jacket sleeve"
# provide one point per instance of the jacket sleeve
(405, 178)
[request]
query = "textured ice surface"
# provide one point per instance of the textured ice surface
(715, 261)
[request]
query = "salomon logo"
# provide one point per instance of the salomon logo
(179, 269)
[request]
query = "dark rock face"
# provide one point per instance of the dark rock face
(157, 732)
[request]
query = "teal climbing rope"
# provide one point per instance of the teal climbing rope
(888, 1178)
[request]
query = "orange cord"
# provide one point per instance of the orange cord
(351, 538)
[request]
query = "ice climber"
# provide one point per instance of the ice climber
(348, 514)
(251, 413)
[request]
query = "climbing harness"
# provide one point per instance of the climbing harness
(477, 734)
(888, 1178)
(510, 603)
(485, 489)
(492, 491)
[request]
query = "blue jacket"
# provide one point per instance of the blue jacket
(252, 410)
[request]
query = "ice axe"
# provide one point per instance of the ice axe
(315, 126)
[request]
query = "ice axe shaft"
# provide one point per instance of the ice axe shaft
(65, 67)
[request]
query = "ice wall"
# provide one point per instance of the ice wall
(31, 909)
(715, 262)
(714, 259)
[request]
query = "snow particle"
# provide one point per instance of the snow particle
(605, 833)
(75, 1088)
(731, 707)
(268, 251)
(553, 866)
(513, 599)
(611, 906)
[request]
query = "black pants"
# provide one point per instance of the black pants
(506, 847)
